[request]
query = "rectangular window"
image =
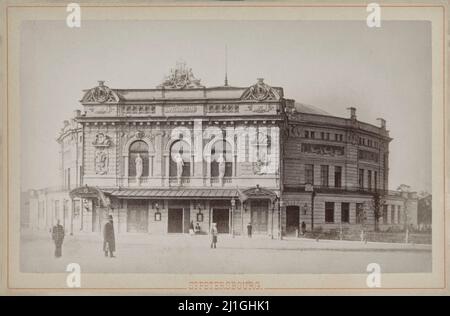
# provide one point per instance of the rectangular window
(385, 214)
(329, 212)
(345, 212)
(375, 176)
(399, 214)
(359, 213)
(56, 211)
(336, 137)
(76, 208)
(337, 176)
(306, 134)
(313, 135)
(322, 135)
(392, 214)
(361, 178)
(341, 137)
(324, 175)
(328, 136)
(309, 174)
(369, 179)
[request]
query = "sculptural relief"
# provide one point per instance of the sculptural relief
(101, 162)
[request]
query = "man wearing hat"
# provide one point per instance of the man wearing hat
(109, 244)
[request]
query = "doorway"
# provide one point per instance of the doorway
(175, 220)
(259, 216)
(221, 216)
(292, 219)
(137, 216)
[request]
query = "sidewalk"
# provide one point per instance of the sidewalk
(237, 242)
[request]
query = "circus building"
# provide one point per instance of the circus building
(160, 160)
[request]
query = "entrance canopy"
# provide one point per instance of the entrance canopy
(88, 192)
(173, 193)
(257, 193)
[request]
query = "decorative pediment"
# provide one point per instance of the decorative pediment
(100, 94)
(180, 77)
(257, 193)
(261, 92)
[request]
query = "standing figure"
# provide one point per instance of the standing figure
(214, 235)
(180, 163)
(221, 162)
(249, 230)
(58, 238)
(109, 240)
(303, 228)
(139, 169)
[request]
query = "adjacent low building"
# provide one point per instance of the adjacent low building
(161, 160)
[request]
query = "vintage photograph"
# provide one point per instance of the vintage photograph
(226, 146)
(224, 149)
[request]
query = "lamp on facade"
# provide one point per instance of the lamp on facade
(157, 213)
(199, 214)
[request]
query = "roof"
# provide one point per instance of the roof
(309, 109)
(173, 193)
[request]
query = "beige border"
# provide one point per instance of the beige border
(17, 282)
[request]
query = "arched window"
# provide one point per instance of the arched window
(221, 147)
(138, 148)
(180, 149)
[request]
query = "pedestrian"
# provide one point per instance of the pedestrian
(109, 242)
(303, 228)
(58, 238)
(214, 235)
(249, 230)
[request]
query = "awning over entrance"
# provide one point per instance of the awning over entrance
(90, 192)
(257, 193)
(173, 193)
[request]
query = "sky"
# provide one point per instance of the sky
(383, 72)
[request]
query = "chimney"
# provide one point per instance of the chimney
(352, 112)
(382, 122)
(101, 83)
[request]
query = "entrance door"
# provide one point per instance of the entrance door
(221, 216)
(259, 216)
(175, 220)
(292, 219)
(137, 216)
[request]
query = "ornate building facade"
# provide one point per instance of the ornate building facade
(160, 160)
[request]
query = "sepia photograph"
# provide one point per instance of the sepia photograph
(208, 149)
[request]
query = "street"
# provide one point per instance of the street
(192, 254)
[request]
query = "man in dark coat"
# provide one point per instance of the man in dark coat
(109, 243)
(58, 238)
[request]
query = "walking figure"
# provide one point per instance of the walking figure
(58, 238)
(213, 235)
(109, 242)
(249, 230)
